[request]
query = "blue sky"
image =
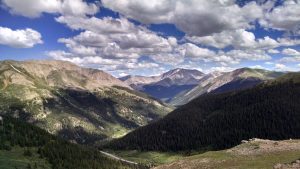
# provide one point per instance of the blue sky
(150, 37)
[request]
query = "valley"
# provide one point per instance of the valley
(133, 128)
(149, 84)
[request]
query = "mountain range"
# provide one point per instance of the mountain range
(167, 85)
(179, 86)
(80, 104)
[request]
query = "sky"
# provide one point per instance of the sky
(142, 37)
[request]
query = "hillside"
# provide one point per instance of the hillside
(220, 82)
(26, 146)
(219, 121)
(80, 104)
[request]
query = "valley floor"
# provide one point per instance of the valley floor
(253, 154)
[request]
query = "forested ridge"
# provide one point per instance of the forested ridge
(219, 121)
(60, 153)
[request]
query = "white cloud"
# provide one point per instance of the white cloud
(291, 52)
(221, 69)
(280, 67)
(111, 65)
(35, 8)
(194, 17)
(20, 38)
(122, 74)
(113, 36)
(127, 41)
(88, 60)
(288, 42)
(239, 39)
(290, 59)
(106, 25)
(285, 17)
(191, 50)
(257, 67)
(292, 56)
(269, 63)
(239, 55)
(168, 58)
(273, 51)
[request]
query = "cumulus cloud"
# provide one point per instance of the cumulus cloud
(35, 8)
(239, 39)
(221, 69)
(257, 67)
(293, 55)
(236, 56)
(191, 50)
(114, 38)
(104, 25)
(273, 51)
(107, 64)
(115, 43)
(285, 17)
(291, 52)
(194, 17)
(280, 67)
(269, 63)
(20, 38)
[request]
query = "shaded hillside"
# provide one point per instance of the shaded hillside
(58, 153)
(218, 121)
(83, 105)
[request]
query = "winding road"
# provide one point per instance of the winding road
(118, 158)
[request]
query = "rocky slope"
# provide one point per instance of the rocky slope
(77, 103)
